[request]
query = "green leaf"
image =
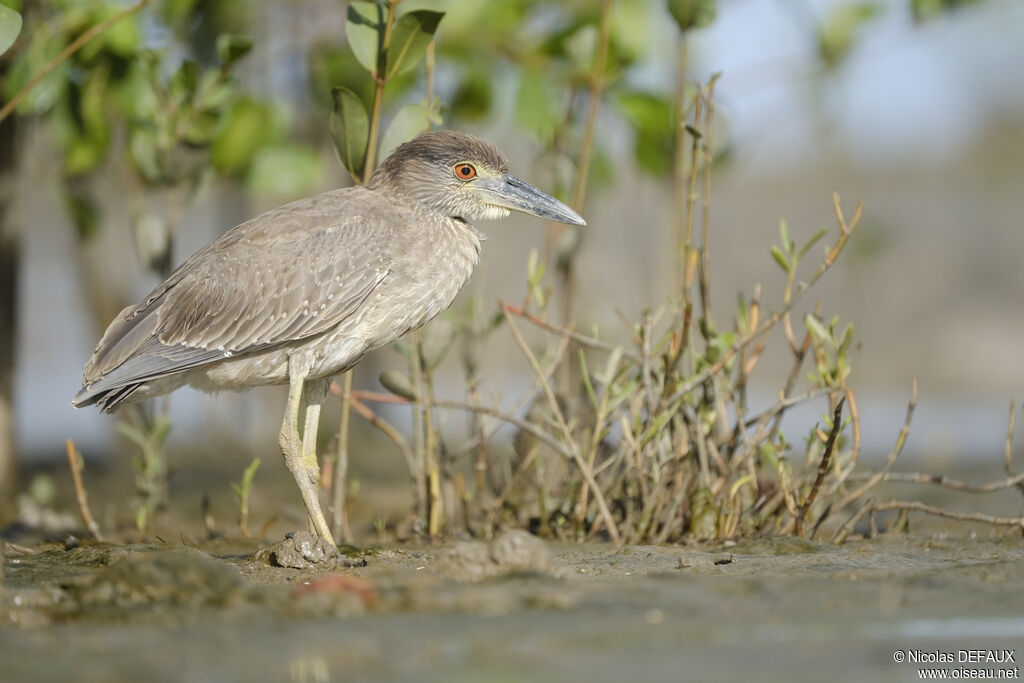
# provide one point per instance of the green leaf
(818, 330)
(85, 214)
(691, 14)
(350, 127)
(410, 121)
(838, 31)
(245, 127)
(473, 97)
(811, 242)
(631, 28)
(87, 146)
(780, 258)
(580, 47)
(10, 27)
(231, 48)
(364, 30)
(409, 39)
(787, 243)
(143, 152)
(535, 110)
(587, 384)
(285, 170)
(397, 383)
(650, 115)
(183, 83)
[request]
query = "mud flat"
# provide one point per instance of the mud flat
(517, 609)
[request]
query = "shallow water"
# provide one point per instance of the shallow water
(774, 609)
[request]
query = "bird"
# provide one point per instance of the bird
(303, 292)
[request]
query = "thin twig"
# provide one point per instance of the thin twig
(379, 80)
(525, 425)
(65, 54)
(581, 339)
(341, 528)
(894, 454)
(826, 457)
(1008, 450)
(949, 482)
(76, 462)
(393, 434)
(560, 421)
(872, 508)
(845, 230)
(596, 84)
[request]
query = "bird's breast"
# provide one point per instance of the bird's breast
(427, 275)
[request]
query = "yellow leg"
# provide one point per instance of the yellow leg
(300, 450)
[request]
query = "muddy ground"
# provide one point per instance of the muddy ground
(517, 609)
(175, 605)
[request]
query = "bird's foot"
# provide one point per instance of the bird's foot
(305, 550)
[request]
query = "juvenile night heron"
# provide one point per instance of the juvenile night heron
(303, 292)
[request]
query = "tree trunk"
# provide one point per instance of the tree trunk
(9, 261)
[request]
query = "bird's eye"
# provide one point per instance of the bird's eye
(465, 171)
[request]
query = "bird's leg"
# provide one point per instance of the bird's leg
(300, 450)
(313, 394)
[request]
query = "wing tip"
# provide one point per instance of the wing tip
(108, 400)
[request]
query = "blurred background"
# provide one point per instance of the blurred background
(122, 162)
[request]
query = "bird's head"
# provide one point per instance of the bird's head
(462, 176)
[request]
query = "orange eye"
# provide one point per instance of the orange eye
(465, 171)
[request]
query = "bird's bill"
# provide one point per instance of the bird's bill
(510, 192)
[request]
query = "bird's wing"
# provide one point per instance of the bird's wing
(289, 274)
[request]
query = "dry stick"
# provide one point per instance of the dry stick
(746, 369)
(950, 483)
(501, 416)
(341, 528)
(595, 438)
(704, 270)
(679, 166)
(581, 339)
(65, 54)
(704, 279)
(379, 80)
(894, 454)
(870, 507)
(689, 253)
(436, 506)
(588, 476)
(1008, 451)
(595, 91)
(77, 463)
(520, 471)
(826, 457)
(649, 397)
(851, 402)
(392, 433)
(529, 399)
(525, 425)
(799, 353)
(786, 403)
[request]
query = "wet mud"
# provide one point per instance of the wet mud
(515, 608)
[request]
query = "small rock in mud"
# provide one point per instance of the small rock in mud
(518, 550)
(512, 551)
(303, 550)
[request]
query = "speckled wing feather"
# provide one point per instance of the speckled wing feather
(286, 275)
